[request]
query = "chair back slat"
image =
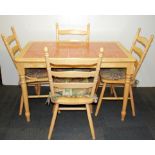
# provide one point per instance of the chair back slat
(140, 52)
(15, 49)
(73, 32)
(10, 39)
(73, 74)
(73, 85)
(74, 62)
(142, 40)
(65, 32)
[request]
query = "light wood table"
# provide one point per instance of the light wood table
(115, 56)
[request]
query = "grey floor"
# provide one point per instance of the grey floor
(73, 125)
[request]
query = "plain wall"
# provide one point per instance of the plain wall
(105, 28)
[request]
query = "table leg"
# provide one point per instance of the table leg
(25, 97)
(126, 94)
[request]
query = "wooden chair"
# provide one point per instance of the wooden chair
(66, 32)
(34, 77)
(85, 36)
(116, 77)
(72, 87)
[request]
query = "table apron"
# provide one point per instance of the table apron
(103, 65)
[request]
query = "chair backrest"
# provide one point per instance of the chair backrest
(12, 44)
(139, 49)
(73, 74)
(70, 32)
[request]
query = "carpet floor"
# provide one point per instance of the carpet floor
(73, 125)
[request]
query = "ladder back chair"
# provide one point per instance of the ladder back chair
(72, 87)
(114, 77)
(70, 32)
(34, 77)
(83, 41)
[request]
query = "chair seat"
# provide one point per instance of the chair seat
(112, 74)
(36, 73)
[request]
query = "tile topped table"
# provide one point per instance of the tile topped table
(114, 56)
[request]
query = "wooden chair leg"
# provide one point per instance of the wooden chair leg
(21, 105)
(113, 90)
(59, 112)
(91, 108)
(53, 109)
(100, 99)
(132, 102)
(53, 121)
(98, 83)
(37, 89)
(90, 121)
